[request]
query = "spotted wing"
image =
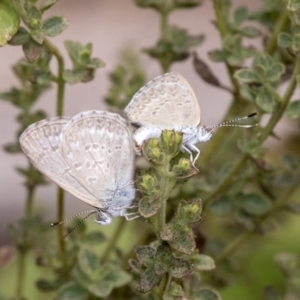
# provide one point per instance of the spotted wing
(165, 102)
(42, 144)
(98, 147)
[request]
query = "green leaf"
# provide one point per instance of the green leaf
(284, 40)
(149, 206)
(217, 55)
(175, 292)
(221, 206)
(149, 279)
(293, 110)
(32, 50)
(9, 22)
(293, 5)
(55, 25)
(203, 262)
(115, 275)
(135, 267)
(21, 37)
(145, 254)
(181, 267)
(291, 162)
(254, 204)
(250, 31)
(264, 60)
(265, 101)
(46, 285)
(156, 4)
(240, 15)
(207, 294)
(74, 76)
(72, 291)
(296, 42)
(186, 3)
(88, 261)
(34, 17)
(46, 4)
(244, 219)
(94, 238)
(246, 75)
(274, 72)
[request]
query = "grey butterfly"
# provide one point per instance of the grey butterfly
(169, 102)
(89, 155)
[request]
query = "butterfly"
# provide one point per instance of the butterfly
(169, 102)
(89, 155)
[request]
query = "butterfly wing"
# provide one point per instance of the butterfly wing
(165, 102)
(98, 147)
(42, 144)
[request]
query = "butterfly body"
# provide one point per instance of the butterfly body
(89, 155)
(167, 102)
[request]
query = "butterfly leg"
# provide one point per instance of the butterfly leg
(186, 149)
(193, 147)
(131, 216)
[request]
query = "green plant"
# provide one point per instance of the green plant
(239, 191)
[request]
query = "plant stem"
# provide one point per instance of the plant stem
(59, 112)
(221, 23)
(281, 24)
(164, 286)
(20, 275)
(114, 239)
(23, 249)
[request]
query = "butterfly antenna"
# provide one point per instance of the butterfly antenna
(79, 214)
(80, 222)
(230, 122)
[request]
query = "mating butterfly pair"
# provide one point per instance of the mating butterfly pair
(91, 155)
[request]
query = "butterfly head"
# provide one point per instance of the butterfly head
(103, 217)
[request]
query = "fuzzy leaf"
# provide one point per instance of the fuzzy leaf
(73, 76)
(145, 254)
(244, 219)
(186, 3)
(55, 25)
(250, 31)
(293, 109)
(181, 267)
(207, 294)
(293, 5)
(265, 101)
(9, 22)
(148, 280)
(203, 262)
(221, 207)
(240, 15)
(32, 50)
(274, 73)
(217, 55)
(46, 4)
(175, 292)
(72, 291)
(149, 206)
(21, 37)
(246, 75)
(254, 204)
(34, 17)
(93, 238)
(284, 40)
(88, 261)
